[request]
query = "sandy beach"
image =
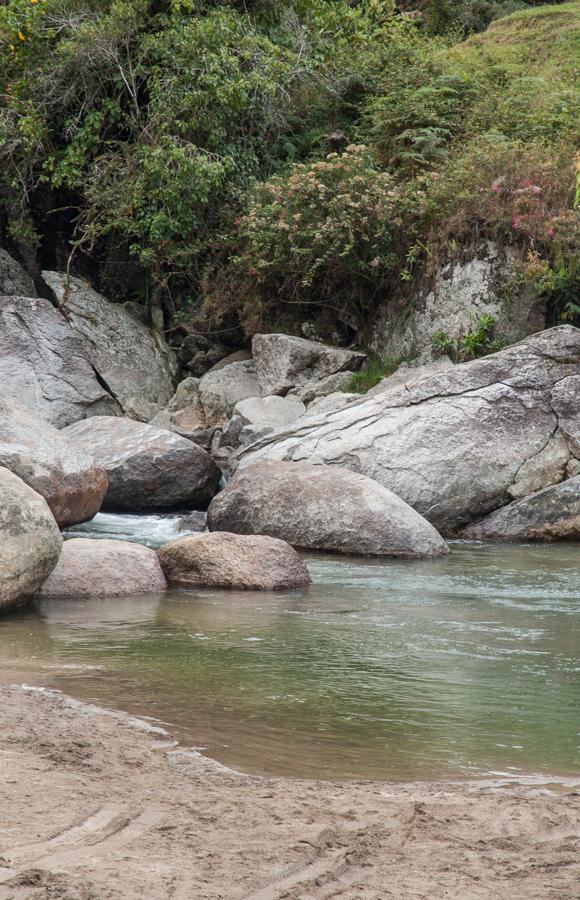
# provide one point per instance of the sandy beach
(96, 805)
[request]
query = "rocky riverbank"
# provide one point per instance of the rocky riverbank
(104, 806)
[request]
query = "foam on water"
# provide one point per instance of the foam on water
(153, 530)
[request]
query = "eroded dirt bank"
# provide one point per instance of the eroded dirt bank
(95, 808)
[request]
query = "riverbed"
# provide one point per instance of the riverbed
(464, 667)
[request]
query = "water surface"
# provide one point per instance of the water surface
(461, 667)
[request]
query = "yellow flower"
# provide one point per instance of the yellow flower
(21, 36)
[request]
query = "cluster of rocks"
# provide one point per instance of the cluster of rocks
(249, 396)
(497, 437)
(91, 418)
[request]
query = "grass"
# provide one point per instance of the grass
(543, 41)
(373, 371)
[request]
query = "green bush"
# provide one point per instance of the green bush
(481, 341)
(329, 235)
(197, 149)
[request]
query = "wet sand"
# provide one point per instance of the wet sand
(96, 805)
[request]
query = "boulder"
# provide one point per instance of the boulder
(43, 364)
(407, 374)
(101, 568)
(221, 389)
(269, 412)
(252, 433)
(147, 467)
(284, 362)
(72, 484)
(458, 444)
(132, 359)
(14, 281)
(30, 542)
(314, 390)
(331, 402)
(184, 413)
(241, 562)
(322, 508)
(458, 294)
(552, 514)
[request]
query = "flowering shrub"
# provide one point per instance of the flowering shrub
(328, 234)
(522, 193)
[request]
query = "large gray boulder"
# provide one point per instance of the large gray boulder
(30, 542)
(269, 412)
(284, 362)
(459, 293)
(221, 389)
(132, 359)
(103, 568)
(14, 281)
(322, 508)
(68, 479)
(240, 562)
(549, 515)
(44, 366)
(459, 444)
(147, 467)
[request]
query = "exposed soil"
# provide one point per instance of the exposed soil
(94, 805)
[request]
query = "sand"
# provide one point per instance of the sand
(95, 805)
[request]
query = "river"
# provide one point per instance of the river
(463, 667)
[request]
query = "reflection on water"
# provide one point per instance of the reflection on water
(468, 665)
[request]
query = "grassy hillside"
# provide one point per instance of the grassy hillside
(251, 165)
(454, 143)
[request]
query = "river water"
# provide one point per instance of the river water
(463, 667)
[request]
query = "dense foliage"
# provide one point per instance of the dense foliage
(249, 165)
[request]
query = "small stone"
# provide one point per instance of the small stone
(221, 389)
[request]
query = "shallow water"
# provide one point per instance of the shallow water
(461, 667)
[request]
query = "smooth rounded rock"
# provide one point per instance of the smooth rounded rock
(147, 467)
(103, 567)
(30, 542)
(240, 562)
(72, 484)
(323, 508)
